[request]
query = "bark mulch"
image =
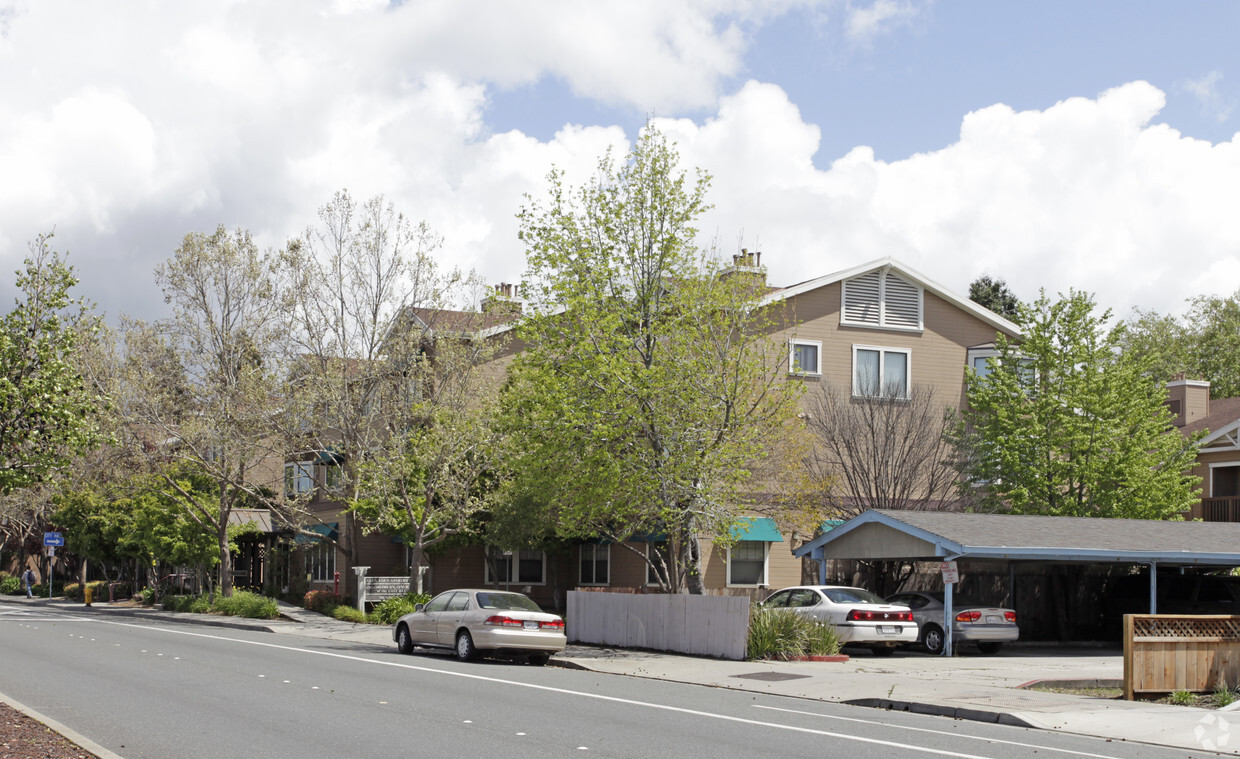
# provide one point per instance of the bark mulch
(23, 737)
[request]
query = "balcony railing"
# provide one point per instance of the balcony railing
(1221, 509)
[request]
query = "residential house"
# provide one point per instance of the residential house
(1218, 459)
(868, 329)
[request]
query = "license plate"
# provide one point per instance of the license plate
(888, 629)
(531, 624)
(993, 620)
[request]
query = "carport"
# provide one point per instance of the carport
(881, 534)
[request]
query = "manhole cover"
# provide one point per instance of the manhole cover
(770, 676)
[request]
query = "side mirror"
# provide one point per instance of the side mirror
(419, 607)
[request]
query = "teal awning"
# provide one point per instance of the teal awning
(830, 525)
(329, 531)
(756, 528)
(329, 457)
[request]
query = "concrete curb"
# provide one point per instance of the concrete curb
(1087, 683)
(941, 710)
(66, 732)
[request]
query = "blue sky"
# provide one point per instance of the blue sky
(1056, 145)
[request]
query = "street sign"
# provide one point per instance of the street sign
(51, 550)
(53, 539)
(950, 572)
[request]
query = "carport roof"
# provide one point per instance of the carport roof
(930, 535)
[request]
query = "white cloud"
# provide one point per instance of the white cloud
(863, 23)
(1213, 103)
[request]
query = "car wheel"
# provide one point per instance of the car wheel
(883, 650)
(989, 648)
(404, 643)
(539, 660)
(932, 639)
(465, 650)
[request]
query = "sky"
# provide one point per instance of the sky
(1054, 145)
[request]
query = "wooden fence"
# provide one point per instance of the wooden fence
(1165, 652)
(708, 625)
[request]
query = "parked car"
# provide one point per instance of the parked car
(860, 618)
(472, 622)
(987, 626)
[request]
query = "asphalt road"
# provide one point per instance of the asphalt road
(163, 690)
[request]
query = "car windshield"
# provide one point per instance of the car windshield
(506, 602)
(852, 596)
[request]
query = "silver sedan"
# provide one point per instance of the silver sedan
(972, 622)
(470, 622)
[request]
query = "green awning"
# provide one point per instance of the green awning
(756, 528)
(329, 457)
(329, 531)
(830, 525)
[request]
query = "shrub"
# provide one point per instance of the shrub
(1182, 698)
(246, 604)
(146, 596)
(784, 634)
(73, 592)
(11, 586)
(348, 614)
(323, 601)
(1223, 695)
(387, 612)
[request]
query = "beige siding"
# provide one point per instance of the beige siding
(875, 541)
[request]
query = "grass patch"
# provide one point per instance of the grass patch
(784, 634)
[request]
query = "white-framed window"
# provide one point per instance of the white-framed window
(659, 561)
(523, 567)
(298, 478)
(882, 299)
(1225, 480)
(747, 562)
(321, 561)
(804, 356)
(332, 477)
(881, 372)
(594, 564)
(983, 361)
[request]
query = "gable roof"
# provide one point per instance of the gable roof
(906, 272)
(949, 535)
(1224, 415)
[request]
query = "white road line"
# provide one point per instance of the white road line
(1038, 746)
(564, 691)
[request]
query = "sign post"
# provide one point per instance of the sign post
(52, 540)
(951, 576)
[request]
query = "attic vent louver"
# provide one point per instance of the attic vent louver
(882, 299)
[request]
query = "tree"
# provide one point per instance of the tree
(47, 410)
(883, 451)
(994, 295)
(437, 466)
(367, 292)
(1204, 343)
(1065, 424)
(204, 389)
(650, 393)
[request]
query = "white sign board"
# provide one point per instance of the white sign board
(950, 572)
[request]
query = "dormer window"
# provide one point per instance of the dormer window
(882, 299)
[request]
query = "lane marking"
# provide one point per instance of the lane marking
(562, 691)
(939, 732)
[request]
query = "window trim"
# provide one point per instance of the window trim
(594, 550)
(882, 370)
(515, 565)
(321, 554)
(293, 482)
(763, 581)
(793, 343)
(1220, 465)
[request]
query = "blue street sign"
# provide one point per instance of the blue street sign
(53, 539)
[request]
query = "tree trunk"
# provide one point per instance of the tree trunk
(226, 585)
(693, 566)
(415, 568)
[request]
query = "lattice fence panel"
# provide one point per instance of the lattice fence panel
(1164, 653)
(1186, 627)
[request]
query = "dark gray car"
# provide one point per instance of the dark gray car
(987, 626)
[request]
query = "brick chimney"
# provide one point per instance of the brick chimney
(1188, 399)
(502, 301)
(749, 266)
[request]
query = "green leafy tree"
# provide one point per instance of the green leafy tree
(994, 295)
(650, 397)
(1065, 424)
(47, 410)
(1204, 343)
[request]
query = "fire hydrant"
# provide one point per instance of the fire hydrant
(89, 591)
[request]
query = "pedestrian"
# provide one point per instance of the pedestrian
(28, 577)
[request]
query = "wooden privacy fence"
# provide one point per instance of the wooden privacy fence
(708, 625)
(1165, 652)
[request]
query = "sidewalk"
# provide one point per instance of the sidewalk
(983, 688)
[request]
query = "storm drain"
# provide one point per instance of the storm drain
(770, 676)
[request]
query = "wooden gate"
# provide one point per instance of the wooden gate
(1166, 652)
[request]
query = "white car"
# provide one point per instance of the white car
(860, 618)
(470, 622)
